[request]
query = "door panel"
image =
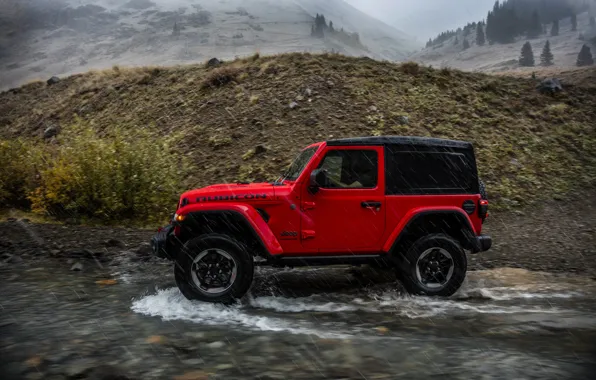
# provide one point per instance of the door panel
(350, 215)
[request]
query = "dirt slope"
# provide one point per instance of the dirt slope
(529, 146)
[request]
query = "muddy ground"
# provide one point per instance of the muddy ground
(90, 303)
(559, 236)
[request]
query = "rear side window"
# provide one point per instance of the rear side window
(353, 169)
(430, 172)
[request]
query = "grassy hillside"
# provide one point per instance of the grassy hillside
(237, 122)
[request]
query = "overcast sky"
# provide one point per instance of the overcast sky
(425, 18)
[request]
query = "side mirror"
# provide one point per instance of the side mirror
(318, 179)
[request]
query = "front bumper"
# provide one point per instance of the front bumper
(161, 242)
(482, 243)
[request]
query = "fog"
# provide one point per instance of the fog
(427, 18)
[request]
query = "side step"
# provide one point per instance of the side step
(301, 261)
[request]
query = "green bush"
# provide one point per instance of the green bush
(17, 172)
(124, 173)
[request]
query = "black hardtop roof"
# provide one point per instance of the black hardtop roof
(401, 140)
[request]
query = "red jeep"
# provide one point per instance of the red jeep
(412, 203)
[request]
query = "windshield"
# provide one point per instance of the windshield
(300, 163)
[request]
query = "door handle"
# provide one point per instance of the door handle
(371, 204)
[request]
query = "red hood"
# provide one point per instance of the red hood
(230, 193)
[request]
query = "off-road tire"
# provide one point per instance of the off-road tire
(243, 260)
(408, 275)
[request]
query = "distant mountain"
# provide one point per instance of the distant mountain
(501, 51)
(40, 38)
(425, 18)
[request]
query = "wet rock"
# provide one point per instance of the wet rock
(144, 250)
(224, 366)
(25, 220)
(293, 105)
(213, 62)
(107, 372)
(330, 83)
(308, 92)
(50, 132)
(115, 243)
(373, 109)
(259, 149)
(53, 80)
(193, 362)
(403, 120)
(550, 86)
(13, 259)
(77, 267)
(11, 220)
(79, 368)
(216, 345)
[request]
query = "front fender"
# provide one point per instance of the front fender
(420, 211)
(248, 213)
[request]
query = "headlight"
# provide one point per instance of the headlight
(179, 218)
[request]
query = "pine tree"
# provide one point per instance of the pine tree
(573, 22)
(555, 29)
(331, 27)
(456, 40)
(480, 39)
(592, 21)
(584, 58)
(527, 55)
(546, 58)
(466, 44)
(535, 28)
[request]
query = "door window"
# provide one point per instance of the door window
(354, 169)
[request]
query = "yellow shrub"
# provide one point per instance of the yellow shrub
(122, 174)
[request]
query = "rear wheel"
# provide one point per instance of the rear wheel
(214, 268)
(437, 266)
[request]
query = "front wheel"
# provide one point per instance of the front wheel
(214, 268)
(437, 266)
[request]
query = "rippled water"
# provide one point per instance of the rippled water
(509, 296)
(308, 323)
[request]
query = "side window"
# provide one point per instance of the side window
(355, 169)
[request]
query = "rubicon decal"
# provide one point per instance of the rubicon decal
(216, 198)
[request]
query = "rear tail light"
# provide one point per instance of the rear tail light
(483, 209)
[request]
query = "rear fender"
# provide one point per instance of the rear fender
(242, 212)
(416, 214)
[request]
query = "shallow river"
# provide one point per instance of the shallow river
(318, 323)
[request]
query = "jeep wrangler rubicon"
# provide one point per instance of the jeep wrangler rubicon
(412, 203)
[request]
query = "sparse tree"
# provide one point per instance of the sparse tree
(176, 30)
(546, 58)
(555, 29)
(527, 55)
(592, 21)
(584, 57)
(331, 27)
(535, 28)
(466, 44)
(456, 40)
(573, 22)
(480, 38)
